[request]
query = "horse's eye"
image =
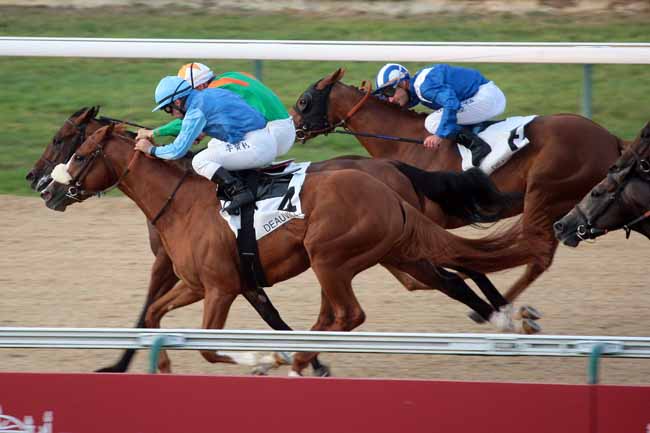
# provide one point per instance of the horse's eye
(79, 158)
(614, 168)
(596, 193)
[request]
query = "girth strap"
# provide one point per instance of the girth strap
(251, 269)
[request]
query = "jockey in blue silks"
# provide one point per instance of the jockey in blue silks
(241, 139)
(459, 96)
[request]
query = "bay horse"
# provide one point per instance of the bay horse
(84, 122)
(619, 201)
(566, 156)
(352, 222)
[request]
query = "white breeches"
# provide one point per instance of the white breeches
(488, 102)
(284, 132)
(257, 149)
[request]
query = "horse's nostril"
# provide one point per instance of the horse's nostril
(46, 195)
(558, 226)
(30, 176)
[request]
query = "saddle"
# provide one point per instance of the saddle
(265, 183)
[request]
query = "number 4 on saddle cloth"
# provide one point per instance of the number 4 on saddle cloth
(277, 201)
(505, 137)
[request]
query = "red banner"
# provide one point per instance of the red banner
(113, 403)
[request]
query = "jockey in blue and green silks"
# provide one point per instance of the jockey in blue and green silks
(256, 94)
(241, 138)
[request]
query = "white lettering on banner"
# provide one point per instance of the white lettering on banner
(278, 220)
(12, 424)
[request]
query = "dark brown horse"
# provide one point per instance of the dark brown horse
(567, 155)
(620, 201)
(84, 122)
(379, 226)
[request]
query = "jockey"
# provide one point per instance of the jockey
(256, 94)
(240, 137)
(459, 96)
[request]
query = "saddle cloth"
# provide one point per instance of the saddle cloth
(506, 138)
(277, 202)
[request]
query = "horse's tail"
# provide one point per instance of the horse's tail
(504, 249)
(470, 195)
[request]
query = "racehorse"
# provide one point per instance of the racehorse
(352, 222)
(620, 200)
(84, 122)
(566, 156)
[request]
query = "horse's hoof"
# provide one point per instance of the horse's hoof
(283, 358)
(475, 317)
(293, 373)
(530, 326)
(322, 371)
(528, 312)
(112, 369)
(261, 370)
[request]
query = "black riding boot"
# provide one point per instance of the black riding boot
(479, 148)
(234, 189)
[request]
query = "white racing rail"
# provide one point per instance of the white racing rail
(454, 52)
(300, 341)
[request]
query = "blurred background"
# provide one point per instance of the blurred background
(39, 93)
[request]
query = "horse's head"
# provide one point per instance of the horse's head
(88, 172)
(618, 201)
(311, 113)
(67, 139)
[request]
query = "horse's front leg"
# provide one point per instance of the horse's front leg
(215, 311)
(179, 296)
(161, 281)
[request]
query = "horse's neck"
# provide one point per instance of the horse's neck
(149, 184)
(375, 117)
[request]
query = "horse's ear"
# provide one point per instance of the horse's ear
(86, 116)
(331, 78)
(95, 111)
(645, 132)
(103, 133)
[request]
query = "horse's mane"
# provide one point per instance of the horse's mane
(184, 163)
(384, 103)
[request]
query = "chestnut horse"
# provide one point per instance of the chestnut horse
(566, 156)
(84, 122)
(620, 200)
(352, 222)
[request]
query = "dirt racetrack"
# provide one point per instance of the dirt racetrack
(89, 266)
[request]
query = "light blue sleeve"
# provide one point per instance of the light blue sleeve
(193, 123)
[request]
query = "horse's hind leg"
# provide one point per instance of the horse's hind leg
(456, 288)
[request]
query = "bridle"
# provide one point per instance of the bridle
(317, 121)
(80, 138)
(638, 167)
(75, 191)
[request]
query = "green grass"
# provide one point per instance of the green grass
(38, 94)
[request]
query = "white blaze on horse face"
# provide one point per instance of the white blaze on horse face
(60, 174)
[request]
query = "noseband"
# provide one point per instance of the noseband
(313, 107)
(639, 167)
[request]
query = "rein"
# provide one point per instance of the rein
(110, 119)
(327, 128)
